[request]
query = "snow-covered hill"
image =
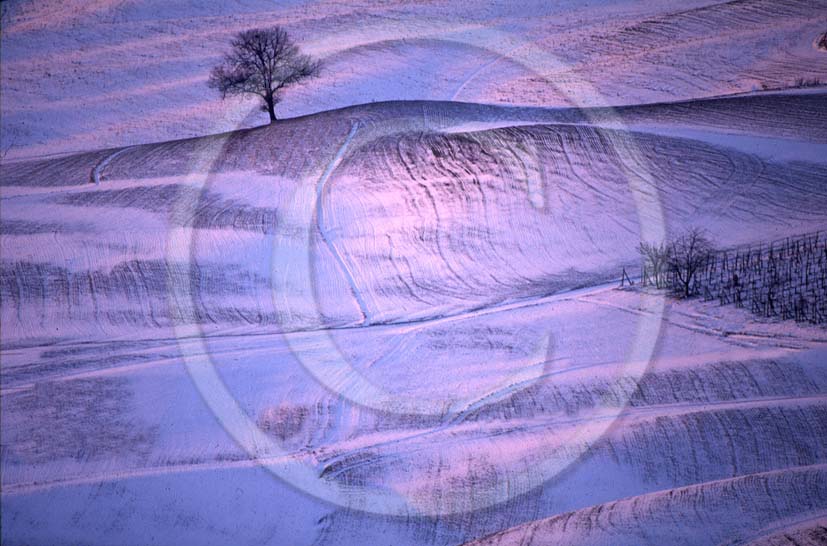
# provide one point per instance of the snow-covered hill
(409, 308)
(386, 213)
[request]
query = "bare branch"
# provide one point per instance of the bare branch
(687, 255)
(262, 62)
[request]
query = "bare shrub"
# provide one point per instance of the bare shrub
(688, 254)
(656, 258)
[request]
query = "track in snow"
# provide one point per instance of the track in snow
(97, 172)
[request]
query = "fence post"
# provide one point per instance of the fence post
(625, 277)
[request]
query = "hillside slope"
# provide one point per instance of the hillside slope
(397, 323)
(384, 213)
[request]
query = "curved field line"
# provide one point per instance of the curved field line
(482, 68)
(33, 487)
(400, 328)
(98, 170)
(643, 412)
(638, 503)
(664, 409)
(326, 236)
(786, 526)
(732, 337)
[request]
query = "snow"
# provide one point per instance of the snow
(399, 322)
(769, 149)
(213, 309)
(109, 74)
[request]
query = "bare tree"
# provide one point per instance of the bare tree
(656, 255)
(262, 62)
(687, 255)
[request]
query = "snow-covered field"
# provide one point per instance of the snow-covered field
(398, 322)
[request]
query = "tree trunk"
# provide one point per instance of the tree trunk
(271, 108)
